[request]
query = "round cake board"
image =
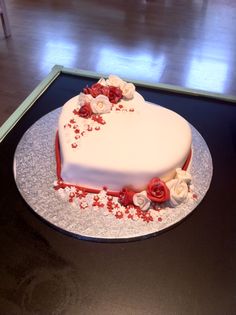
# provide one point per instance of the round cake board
(35, 174)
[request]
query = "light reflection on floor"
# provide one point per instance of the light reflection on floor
(208, 72)
(136, 64)
(62, 52)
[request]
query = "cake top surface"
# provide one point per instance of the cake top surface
(132, 141)
(109, 127)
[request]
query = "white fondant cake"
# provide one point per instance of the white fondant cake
(120, 144)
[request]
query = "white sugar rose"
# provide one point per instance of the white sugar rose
(128, 90)
(84, 98)
(141, 200)
(178, 192)
(183, 175)
(114, 80)
(102, 81)
(100, 105)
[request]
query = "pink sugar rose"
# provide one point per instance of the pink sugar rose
(140, 199)
(157, 190)
(101, 104)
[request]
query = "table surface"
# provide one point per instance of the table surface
(189, 269)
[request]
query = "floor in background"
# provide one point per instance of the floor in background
(190, 43)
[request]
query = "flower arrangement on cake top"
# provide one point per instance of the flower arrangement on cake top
(102, 96)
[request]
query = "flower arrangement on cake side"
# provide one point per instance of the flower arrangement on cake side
(146, 205)
(89, 115)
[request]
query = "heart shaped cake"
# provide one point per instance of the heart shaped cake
(109, 136)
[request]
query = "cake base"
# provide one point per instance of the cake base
(35, 172)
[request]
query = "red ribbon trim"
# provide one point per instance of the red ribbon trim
(186, 164)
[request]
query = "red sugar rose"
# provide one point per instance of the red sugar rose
(157, 190)
(126, 197)
(85, 111)
(94, 90)
(105, 91)
(115, 94)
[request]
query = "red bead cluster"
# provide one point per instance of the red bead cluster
(113, 93)
(78, 193)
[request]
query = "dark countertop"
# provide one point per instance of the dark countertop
(189, 269)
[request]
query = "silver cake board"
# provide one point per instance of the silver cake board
(35, 173)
